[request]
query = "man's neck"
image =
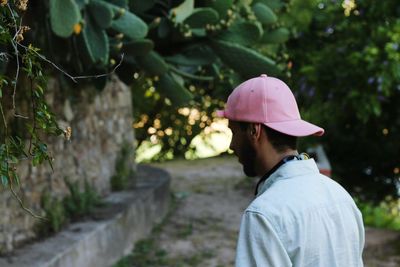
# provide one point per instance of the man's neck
(271, 159)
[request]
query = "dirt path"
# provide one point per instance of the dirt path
(203, 228)
(206, 222)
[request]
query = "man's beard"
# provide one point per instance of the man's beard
(248, 158)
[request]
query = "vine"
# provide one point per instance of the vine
(22, 62)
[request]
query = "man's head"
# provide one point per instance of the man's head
(248, 143)
(265, 122)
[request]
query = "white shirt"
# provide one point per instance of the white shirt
(301, 218)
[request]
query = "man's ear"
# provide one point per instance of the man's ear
(255, 130)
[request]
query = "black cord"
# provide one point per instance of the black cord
(271, 171)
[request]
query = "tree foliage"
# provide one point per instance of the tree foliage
(208, 59)
(175, 54)
(346, 66)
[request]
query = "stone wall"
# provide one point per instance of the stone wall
(101, 124)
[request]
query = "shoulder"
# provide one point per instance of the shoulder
(288, 199)
(271, 209)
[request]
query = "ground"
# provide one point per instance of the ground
(201, 230)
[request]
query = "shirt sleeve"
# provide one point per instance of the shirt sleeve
(258, 244)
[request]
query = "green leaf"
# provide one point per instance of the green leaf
(36, 160)
(12, 160)
(4, 180)
(16, 179)
(43, 147)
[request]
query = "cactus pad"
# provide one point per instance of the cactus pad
(221, 6)
(152, 63)
(264, 14)
(130, 25)
(245, 61)
(182, 11)
(172, 89)
(277, 36)
(244, 33)
(201, 17)
(140, 6)
(96, 43)
(102, 13)
(64, 14)
(120, 3)
(82, 3)
(138, 47)
(273, 4)
(196, 55)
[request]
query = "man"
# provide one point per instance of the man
(299, 216)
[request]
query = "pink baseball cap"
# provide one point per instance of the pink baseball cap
(269, 101)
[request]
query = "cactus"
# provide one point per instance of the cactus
(197, 55)
(152, 63)
(102, 13)
(245, 61)
(244, 33)
(200, 17)
(273, 4)
(82, 3)
(64, 14)
(222, 32)
(96, 43)
(138, 47)
(182, 11)
(140, 6)
(221, 6)
(130, 25)
(264, 14)
(120, 3)
(276, 36)
(178, 95)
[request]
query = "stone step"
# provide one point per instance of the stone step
(128, 217)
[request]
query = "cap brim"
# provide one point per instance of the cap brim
(221, 113)
(296, 128)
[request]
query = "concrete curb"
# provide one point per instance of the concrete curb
(101, 243)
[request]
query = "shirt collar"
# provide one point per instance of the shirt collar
(289, 170)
